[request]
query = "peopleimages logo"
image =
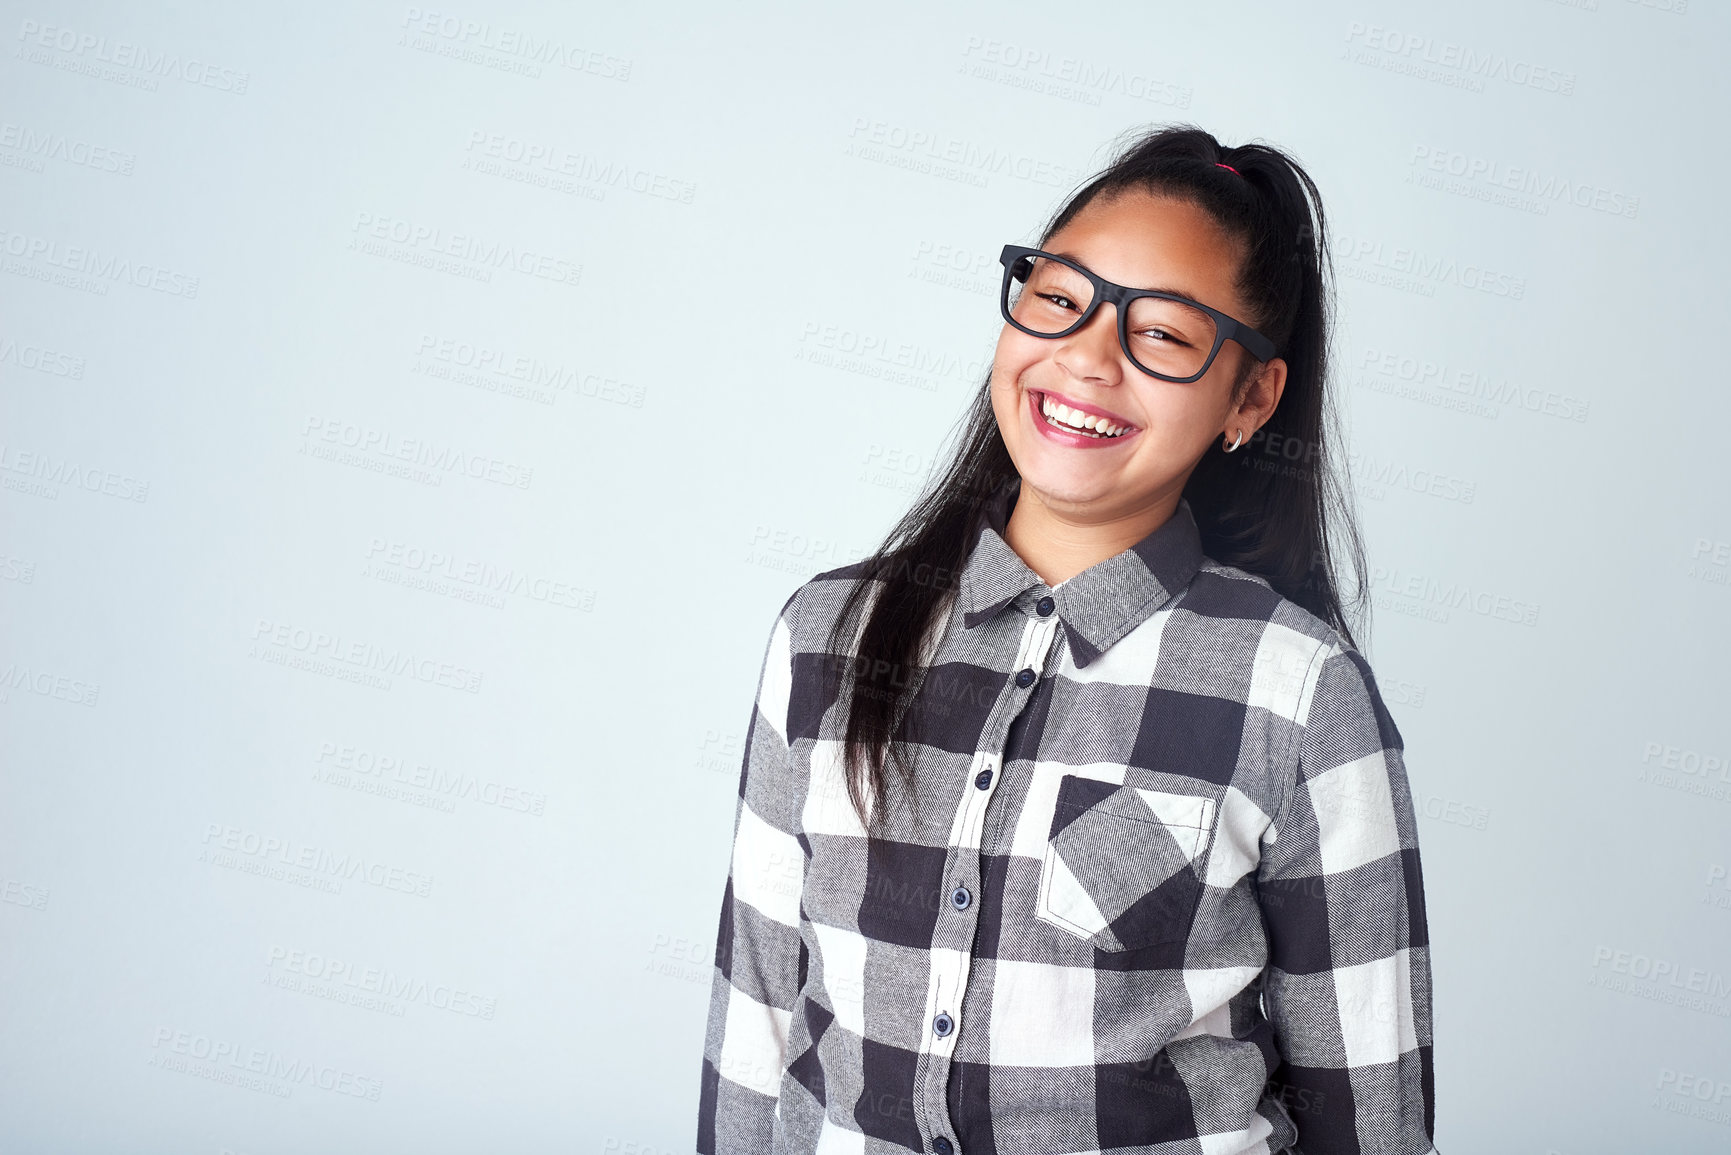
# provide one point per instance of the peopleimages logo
(309, 972)
(1441, 596)
(226, 1061)
(47, 684)
(884, 141)
(540, 379)
(450, 31)
(1522, 187)
(40, 145)
(317, 861)
(86, 52)
(382, 768)
(322, 436)
(43, 473)
(1414, 270)
(38, 359)
(284, 640)
(1069, 77)
(81, 260)
(1467, 63)
(383, 235)
(1432, 372)
(1661, 980)
(481, 577)
(556, 160)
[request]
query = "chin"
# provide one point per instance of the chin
(1072, 486)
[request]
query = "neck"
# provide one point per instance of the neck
(1059, 545)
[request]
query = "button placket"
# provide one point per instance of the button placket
(971, 814)
(951, 967)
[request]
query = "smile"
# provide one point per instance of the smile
(1074, 424)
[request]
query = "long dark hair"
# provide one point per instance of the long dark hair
(1268, 509)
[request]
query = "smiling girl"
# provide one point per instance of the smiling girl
(1072, 819)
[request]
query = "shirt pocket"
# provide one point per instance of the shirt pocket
(1123, 865)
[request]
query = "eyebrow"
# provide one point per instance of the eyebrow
(1185, 293)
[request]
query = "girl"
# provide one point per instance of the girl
(1072, 819)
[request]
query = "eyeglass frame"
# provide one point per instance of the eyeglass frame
(1226, 328)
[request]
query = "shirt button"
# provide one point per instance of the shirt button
(942, 1146)
(983, 779)
(1044, 605)
(943, 1024)
(1026, 678)
(959, 898)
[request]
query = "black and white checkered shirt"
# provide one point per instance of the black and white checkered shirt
(1156, 888)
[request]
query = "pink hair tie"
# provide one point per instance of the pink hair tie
(1229, 169)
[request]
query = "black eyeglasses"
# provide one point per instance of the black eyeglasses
(1164, 335)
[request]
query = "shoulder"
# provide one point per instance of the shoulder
(1229, 593)
(1299, 657)
(811, 610)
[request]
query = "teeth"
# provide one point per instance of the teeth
(1059, 414)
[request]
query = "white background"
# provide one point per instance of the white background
(230, 312)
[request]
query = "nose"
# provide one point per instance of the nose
(1091, 352)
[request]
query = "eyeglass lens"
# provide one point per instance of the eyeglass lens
(1164, 336)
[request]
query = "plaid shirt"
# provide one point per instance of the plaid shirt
(1156, 887)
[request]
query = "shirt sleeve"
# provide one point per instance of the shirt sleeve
(760, 959)
(1347, 988)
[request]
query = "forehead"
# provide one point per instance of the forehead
(1149, 241)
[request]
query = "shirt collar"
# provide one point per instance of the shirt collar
(1097, 606)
